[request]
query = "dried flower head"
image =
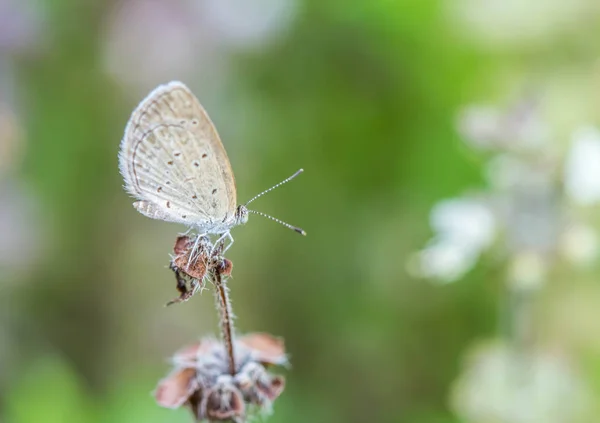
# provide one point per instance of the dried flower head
(201, 379)
(194, 260)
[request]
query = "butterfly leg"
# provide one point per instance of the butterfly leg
(194, 251)
(230, 242)
(221, 240)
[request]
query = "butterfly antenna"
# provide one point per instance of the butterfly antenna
(281, 222)
(285, 181)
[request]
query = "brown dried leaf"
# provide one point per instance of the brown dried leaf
(266, 348)
(191, 353)
(174, 390)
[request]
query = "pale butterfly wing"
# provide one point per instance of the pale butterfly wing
(172, 159)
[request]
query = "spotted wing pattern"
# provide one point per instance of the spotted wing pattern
(173, 161)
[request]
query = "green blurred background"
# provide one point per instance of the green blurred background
(364, 95)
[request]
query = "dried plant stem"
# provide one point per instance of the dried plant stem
(224, 305)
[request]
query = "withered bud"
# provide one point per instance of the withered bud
(223, 401)
(194, 261)
(202, 382)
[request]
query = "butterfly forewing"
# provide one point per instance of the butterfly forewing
(173, 160)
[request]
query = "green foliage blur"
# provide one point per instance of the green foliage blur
(363, 95)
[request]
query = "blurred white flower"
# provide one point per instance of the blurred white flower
(464, 221)
(464, 227)
(500, 385)
(531, 214)
(518, 128)
(579, 244)
(582, 169)
(505, 171)
(523, 201)
(480, 126)
(443, 260)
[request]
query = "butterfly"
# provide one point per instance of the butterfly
(174, 163)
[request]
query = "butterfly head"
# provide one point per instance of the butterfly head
(241, 214)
